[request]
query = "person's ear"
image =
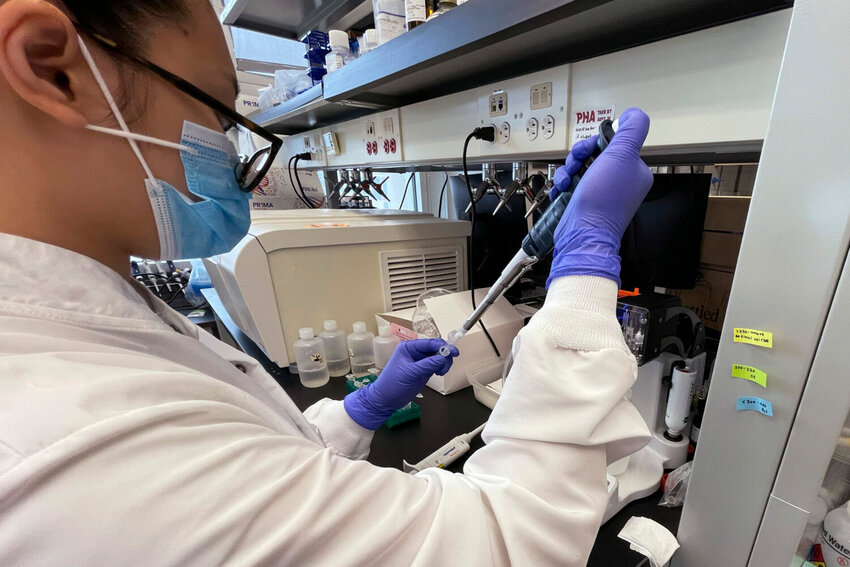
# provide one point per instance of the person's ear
(41, 60)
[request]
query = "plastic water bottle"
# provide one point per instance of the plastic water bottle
(311, 360)
(835, 537)
(385, 344)
(360, 349)
(336, 349)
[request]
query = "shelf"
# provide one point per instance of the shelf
(484, 41)
(307, 111)
(291, 19)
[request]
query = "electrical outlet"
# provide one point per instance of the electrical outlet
(541, 96)
(370, 129)
(388, 126)
(532, 128)
(548, 126)
(504, 134)
(498, 103)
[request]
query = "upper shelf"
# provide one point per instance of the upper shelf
(484, 41)
(289, 18)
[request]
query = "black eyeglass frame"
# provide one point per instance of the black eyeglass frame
(244, 166)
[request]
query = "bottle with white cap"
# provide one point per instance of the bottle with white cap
(340, 51)
(336, 349)
(835, 537)
(369, 41)
(360, 349)
(385, 344)
(311, 359)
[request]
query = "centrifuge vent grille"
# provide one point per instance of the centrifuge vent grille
(408, 273)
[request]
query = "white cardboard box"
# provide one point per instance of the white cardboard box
(449, 312)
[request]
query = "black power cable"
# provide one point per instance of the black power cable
(292, 183)
(487, 133)
(442, 193)
(306, 199)
(406, 187)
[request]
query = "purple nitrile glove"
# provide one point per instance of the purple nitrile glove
(408, 370)
(587, 240)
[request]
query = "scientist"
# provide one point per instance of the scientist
(128, 438)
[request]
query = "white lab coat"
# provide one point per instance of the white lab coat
(128, 438)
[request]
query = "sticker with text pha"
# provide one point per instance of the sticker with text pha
(587, 121)
(753, 403)
(751, 373)
(754, 337)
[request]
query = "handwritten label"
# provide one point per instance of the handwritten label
(753, 403)
(754, 337)
(750, 373)
(587, 121)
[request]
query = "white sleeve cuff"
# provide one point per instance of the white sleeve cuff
(339, 432)
(580, 314)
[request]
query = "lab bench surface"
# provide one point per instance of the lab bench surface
(444, 417)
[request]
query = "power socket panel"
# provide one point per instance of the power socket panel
(541, 96)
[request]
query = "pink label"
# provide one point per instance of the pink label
(402, 333)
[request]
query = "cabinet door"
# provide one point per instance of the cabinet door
(792, 254)
(814, 476)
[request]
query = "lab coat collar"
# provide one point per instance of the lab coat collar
(45, 281)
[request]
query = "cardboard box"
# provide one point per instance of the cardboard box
(727, 214)
(709, 298)
(449, 312)
(720, 249)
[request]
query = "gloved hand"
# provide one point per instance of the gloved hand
(409, 368)
(587, 240)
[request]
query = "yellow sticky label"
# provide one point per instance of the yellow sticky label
(750, 373)
(754, 337)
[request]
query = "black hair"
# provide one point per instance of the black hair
(124, 21)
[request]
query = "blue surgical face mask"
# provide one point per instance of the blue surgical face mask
(189, 229)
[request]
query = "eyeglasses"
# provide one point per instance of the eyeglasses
(253, 164)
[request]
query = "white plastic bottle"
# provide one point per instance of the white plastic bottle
(385, 344)
(311, 359)
(336, 349)
(340, 51)
(360, 349)
(835, 537)
(368, 42)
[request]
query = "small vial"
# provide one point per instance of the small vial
(361, 349)
(384, 345)
(311, 359)
(336, 349)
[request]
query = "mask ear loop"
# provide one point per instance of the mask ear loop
(118, 116)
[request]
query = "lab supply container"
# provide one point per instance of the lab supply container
(311, 359)
(389, 19)
(361, 349)
(340, 53)
(415, 12)
(487, 381)
(384, 345)
(336, 349)
(369, 41)
(835, 537)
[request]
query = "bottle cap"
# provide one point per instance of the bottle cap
(370, 38)
(338, 38)
(385, 331)
(306, 333)
(329, 325)
(359, 327)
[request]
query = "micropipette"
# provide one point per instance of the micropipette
(537, 245)
(447, 454)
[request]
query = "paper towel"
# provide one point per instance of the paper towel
(650, 539)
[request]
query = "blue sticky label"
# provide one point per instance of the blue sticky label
(755, 404)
